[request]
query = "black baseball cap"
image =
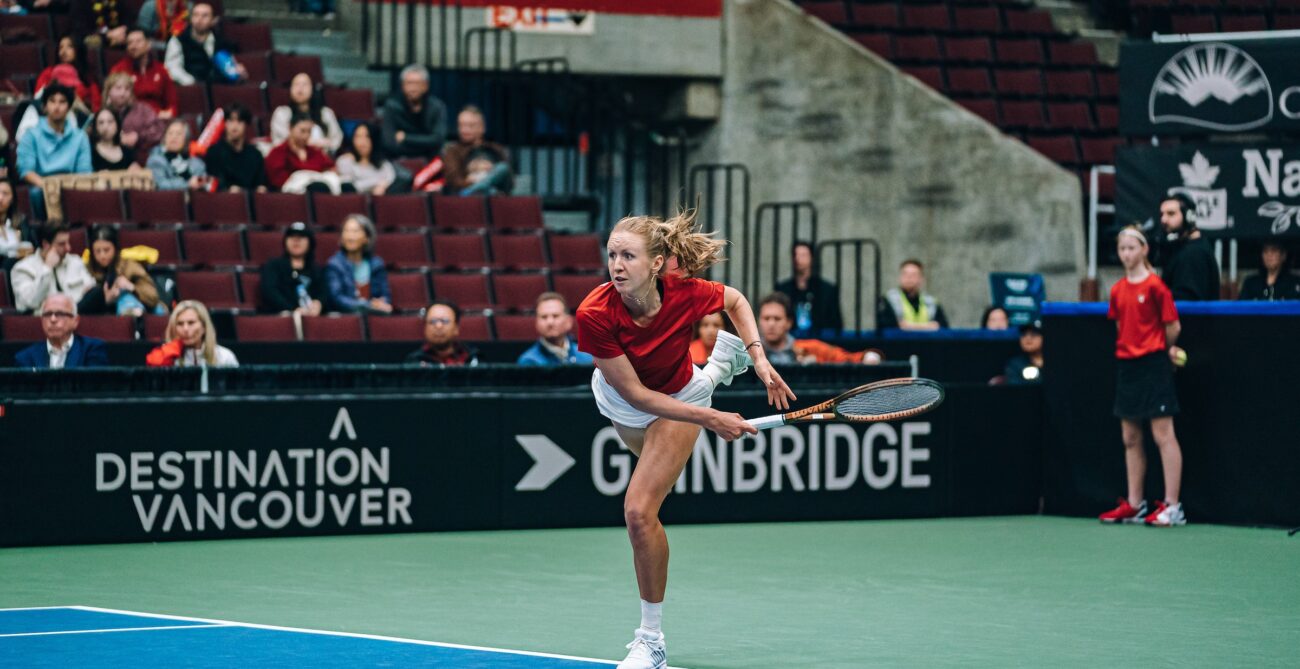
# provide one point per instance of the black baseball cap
(298, 229)
(1032, 326)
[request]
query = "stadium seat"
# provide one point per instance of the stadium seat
(1029, 22)
(1060, 149)
(917, 49)
(220, 208)
(154, 207)
(277, 96)
(280, 209)
(1193, 23)
(403, 250)
(1099, 150)
(336, 327)
(250, 289)
(108, 328)
(1021, 114)
(976, 50)
(164, 240)
(216, 290)
(252, 96)
(248, 36)
(77, 240)
(518, 252)
(518, 292)
(286, 66)
(451, 212)
(6, 300)
(93, 206)
(473, 327)
(1021, 83)
(516, 212)
(929, 75)
(515, 327)
(576, 287)
(926, 17)
(410, 290)
(1069, 116)
(1244, 23)
(834, 12)
(351, 104)
(15, 327)
(155, 327)
(258, 64)
(1075, 84)
(265, 328)
(579, 253)
(327, 244)
(1107, 117)
(881, 16)
(192, 100)
(468, 291)
(881, 45)
(396, 328)
(464, 251)
(401, 211)
(1083, 54)
(213, 248)
(982, 107)
(1107, 84)
(332, 209)
(263, 245)
(969, 80)
(21, 59)
(38, 25)
(1020, 51)
(977, 20)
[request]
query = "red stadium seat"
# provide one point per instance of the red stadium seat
(21, 328)
(515, 327)
(467, 291)
(474, 328)
(576, 287)
(1099, 151)
(155, 207)
(917, 49)
(926, 17)
(220, 208)
(834, 12)
(250, 288)
(277, 96)
(213, 248)
(351, 104)
(396, 328)
(1243, 23)
(1060, 149)
(192, 100)
(982, 107)
(93, 206)
(881, 45)
(1107, 117)
(884, 15)
(280, 209)
(1023, 83)
(1069, 116)
(1193, 23)
(155, 327)
(258, 64)
(339, 327)
(1108, 84)
(165, 241)
(403, 250)
(77, 240)
(518, 252)
(518, 292)
(977, 20)
(265, 328)
(1029, 22)
(248, 36)
(264, 245)
(20, 59)
(289, 65)
(6, 301)
(331, 210)
(929, 75)
(459, 251)
(1076, 84)
(969, 80)
(327, 244)
(1015, 114)
(401, 211)
(410, 290)
(516, 212)
(252, 96)
(108, 328)
(577, 252)
(1020, 51)
(1073, 53)
(216, 290)
(967, 50)
(450, 212)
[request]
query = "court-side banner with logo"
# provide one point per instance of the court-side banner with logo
(159, 471)
(1248, 191)
(1209, 87)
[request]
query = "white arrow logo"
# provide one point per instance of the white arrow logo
(550, 462)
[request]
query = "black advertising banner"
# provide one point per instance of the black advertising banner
(164, 470)
(1240, 190)
(1220, 86)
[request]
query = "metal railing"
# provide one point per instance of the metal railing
(857, 245)
(795, 215)
(723, 197)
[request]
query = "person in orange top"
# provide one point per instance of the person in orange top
(706, 335)
(776, 319)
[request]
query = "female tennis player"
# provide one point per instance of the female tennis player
(1147, 326)
(638, 328)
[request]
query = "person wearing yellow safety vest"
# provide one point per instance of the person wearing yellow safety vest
(908, 307)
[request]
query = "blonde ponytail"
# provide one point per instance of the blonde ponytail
(676, 238)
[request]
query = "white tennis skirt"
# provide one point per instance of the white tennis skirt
(698, 392)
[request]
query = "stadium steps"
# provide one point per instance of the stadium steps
(1074, 17)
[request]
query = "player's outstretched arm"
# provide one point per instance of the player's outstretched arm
(742, 314)
(620, 374)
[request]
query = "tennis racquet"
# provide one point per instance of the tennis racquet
(891, 399)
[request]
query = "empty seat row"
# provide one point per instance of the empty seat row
(910, 16)
(1018, 83)
(979, 50)
(1034, 115)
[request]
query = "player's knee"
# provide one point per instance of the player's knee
(638, 516)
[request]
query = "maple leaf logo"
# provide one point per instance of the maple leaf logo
(1200, 173)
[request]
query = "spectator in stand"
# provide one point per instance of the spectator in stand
(362, 163)
(295, 154)
(163, 19)
(415, 122)
(816, 301)
(153, 86)
(326, 134)
(554, 346)
(706, 335)
(107, 152)
(79, 112)
(908, 307)
(355, 277)
(1027, 367)
(776, 320)
(171, 163)
(472, 165)
(442, 345)
(201, 54)
(16, 239)
(995, 318)
(191, 341)
(101, 22)
(53, 270)
(293, 282)
(71, 54)
(1274, 282)
(236, 164)
(1190, 270)
(122, 285)
(54, 146)
(141, 128)
(62, 348)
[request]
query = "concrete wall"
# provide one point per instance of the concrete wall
(815, 116)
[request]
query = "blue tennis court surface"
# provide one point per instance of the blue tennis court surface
(92, 637)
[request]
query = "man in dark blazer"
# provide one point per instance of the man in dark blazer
(62, 348)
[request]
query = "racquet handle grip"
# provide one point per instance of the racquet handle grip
(768, 422)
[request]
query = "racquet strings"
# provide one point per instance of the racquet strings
(889, 399)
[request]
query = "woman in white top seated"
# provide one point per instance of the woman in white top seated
(326, 135)
(362, 163)
(191, 341)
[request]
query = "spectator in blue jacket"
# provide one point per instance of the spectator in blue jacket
(554, 345)
(355, 277)
(171, 163)
(62, 348)
(54, 146)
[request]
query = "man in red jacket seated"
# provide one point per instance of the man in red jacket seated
(295, 154)
(153, 85)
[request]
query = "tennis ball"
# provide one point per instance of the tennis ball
(1180, 358)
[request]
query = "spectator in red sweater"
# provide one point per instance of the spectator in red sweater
(153, 86)
(296, 154)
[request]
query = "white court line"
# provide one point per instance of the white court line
(112, 629)
(34, 608)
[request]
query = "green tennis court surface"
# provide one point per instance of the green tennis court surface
(1025, 591)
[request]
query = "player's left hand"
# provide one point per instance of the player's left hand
(778, 393)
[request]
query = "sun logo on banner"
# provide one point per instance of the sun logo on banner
(1214, 86)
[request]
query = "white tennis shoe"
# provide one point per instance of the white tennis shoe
(646, 651)
(728, 359)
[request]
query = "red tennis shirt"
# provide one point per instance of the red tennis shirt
(1142, 310)
(659, 352)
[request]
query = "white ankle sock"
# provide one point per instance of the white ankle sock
(652, 615)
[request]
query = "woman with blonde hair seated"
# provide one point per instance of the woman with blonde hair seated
(191, 341)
